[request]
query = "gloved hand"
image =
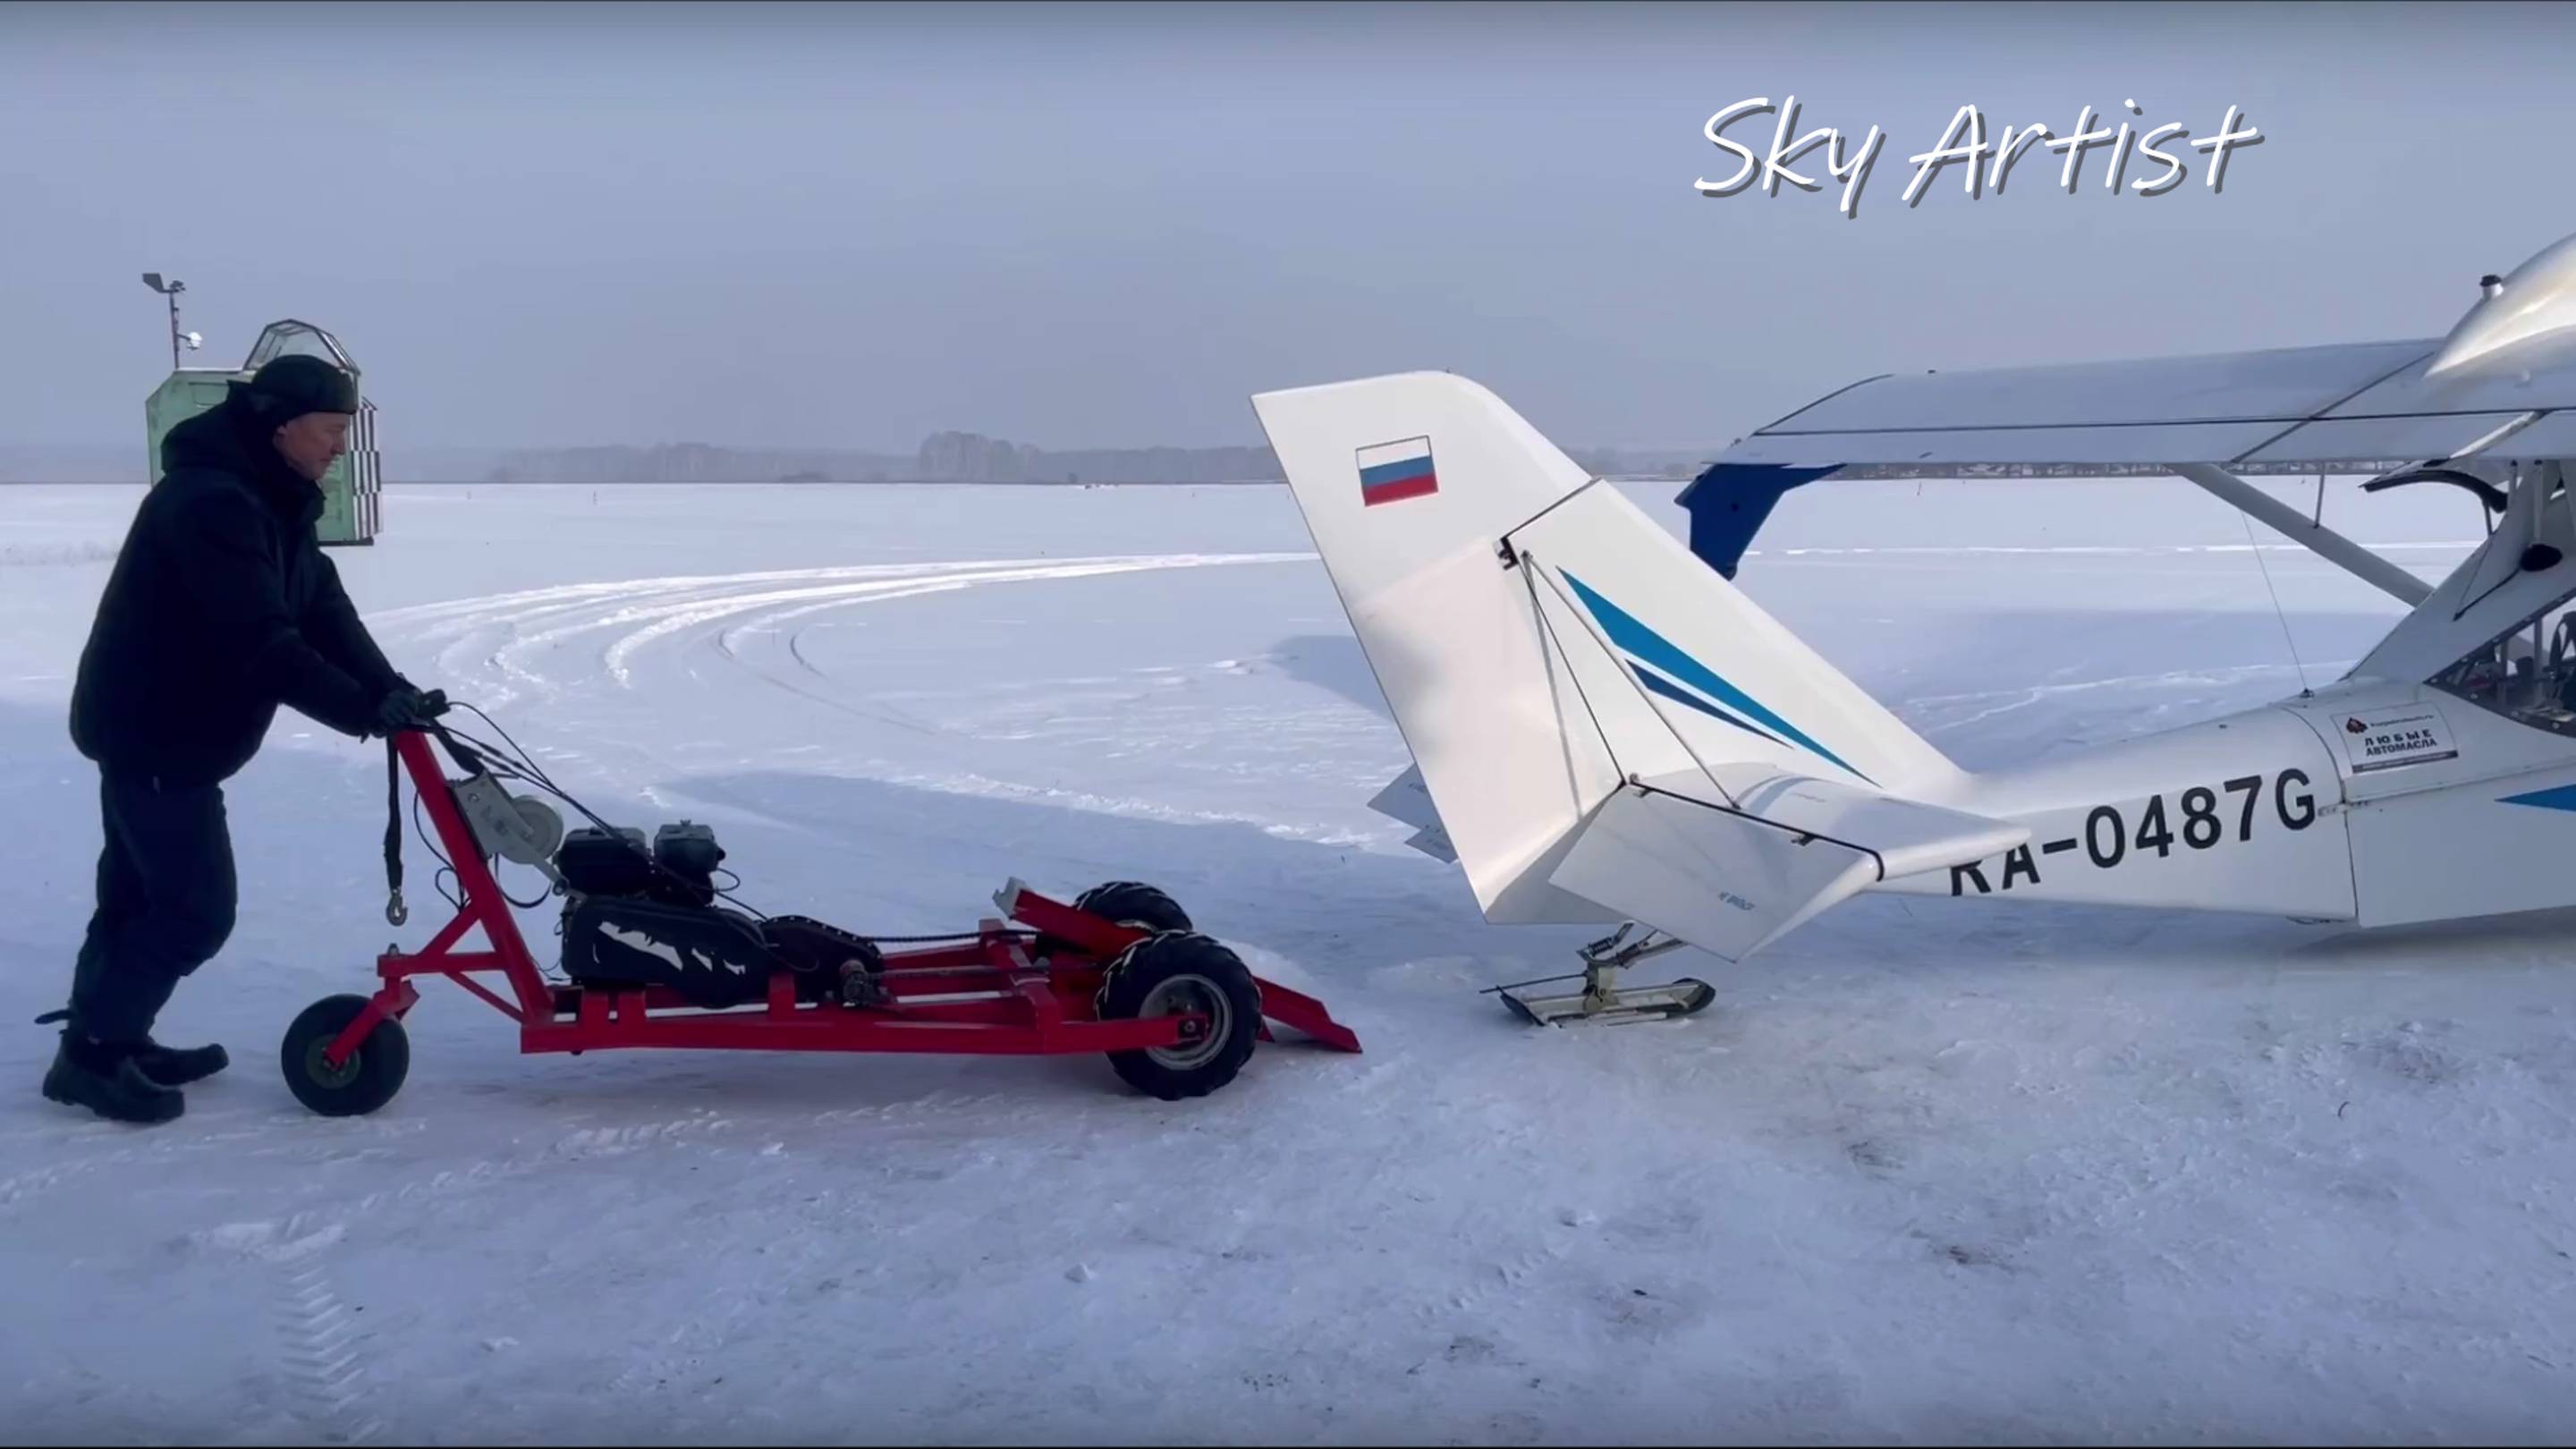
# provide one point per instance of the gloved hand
(405, 708)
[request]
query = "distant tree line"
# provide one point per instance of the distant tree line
(958, 457)
(948, 457)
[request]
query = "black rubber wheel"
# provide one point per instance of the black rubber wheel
(366, 1081)
(1169, 974)
(1133, 903)
(1128, 903)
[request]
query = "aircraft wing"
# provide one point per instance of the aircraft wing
(2349, 408)
(2359, 407)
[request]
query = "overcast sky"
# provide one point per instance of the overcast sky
(1100, 226)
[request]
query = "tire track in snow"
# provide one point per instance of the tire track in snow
(317, 1328)
(804, 602)
(511, 633)
(2024, 696)
(878, 713)
(322, 1352)
(796, 651)
(321, 1347)
(468, 625)
(24, 1186)
(654, 609)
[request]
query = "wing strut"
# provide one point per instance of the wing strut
(2327, 544)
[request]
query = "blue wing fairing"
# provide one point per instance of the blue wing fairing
(1729, 502)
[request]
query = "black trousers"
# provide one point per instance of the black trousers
(165, 902)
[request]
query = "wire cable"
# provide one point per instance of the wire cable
(1530, 561)
(445, 868)
(2277, 610)
(1549, 626)
(514, 764)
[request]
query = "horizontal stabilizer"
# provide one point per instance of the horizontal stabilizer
(1732, 879)
(1907, 836)
(1727, 883)
(1434, 842)
(1407, 800)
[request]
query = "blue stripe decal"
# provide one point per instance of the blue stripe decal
(1672, 691)
(2557, 797)
(1396, 472)
(1634, 636)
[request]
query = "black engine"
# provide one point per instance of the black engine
(678, 869)
(647, 916)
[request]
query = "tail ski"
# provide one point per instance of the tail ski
(1605, 727)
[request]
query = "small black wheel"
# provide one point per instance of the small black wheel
(1179, 972)
(359, 1085)
(1129, 903)
(1133, 903)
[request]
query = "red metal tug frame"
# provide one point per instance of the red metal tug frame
(985, 996)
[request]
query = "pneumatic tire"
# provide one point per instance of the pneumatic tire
(1170, 974)
(359, 1085)
(1129, 903)
(1134, 903)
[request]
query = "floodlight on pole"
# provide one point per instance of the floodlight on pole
(171, 290)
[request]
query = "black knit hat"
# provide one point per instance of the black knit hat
(296, 384)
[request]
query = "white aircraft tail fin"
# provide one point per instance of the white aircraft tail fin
(1546, 648)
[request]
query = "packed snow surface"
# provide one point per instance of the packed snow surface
(1930, 1170)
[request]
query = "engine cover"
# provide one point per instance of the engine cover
(594, 862)
(711, 956)
(677, 869)
(689, 851)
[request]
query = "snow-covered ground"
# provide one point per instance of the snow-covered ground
(1931, 1170)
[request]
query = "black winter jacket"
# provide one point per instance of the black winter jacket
(220, 608)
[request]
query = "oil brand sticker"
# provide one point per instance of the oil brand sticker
(2384, 739)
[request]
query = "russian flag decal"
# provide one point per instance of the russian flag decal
(1393, 472)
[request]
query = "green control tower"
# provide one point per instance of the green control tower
(351, 492)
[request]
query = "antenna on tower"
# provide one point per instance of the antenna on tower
(171, 289)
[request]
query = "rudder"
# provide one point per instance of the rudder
(1542, 641)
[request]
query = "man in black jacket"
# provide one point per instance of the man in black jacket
(221, 607)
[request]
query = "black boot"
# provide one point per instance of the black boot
(170, 1066)
(105, 1079)
(178, 1066)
